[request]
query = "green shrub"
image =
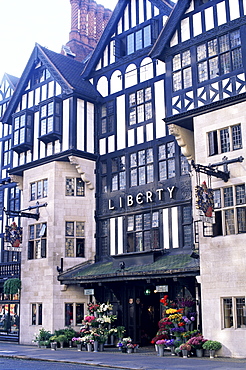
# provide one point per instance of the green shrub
(212, 345)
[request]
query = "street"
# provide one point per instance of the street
(17, 364)
(167, 364)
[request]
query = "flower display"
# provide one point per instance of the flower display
(104, 307)
(185, 346)
(170, 342)
(160, 342)
(77, 340)
(197, 341)
(186, 302)
(92, 307)
(89, 319)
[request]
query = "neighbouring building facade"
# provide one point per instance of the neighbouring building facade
(105, 151)
(203, 46)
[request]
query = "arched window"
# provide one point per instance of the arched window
(146, 69)
(102, 86)
(116, 82)
(131, 78)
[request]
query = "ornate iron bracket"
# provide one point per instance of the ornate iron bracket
(21, 213)
(212, 170)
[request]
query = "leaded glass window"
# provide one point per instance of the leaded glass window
(219, 56)
(140, 106)
(75, 242)
(75, 187)
(141, 167)
(143, 232)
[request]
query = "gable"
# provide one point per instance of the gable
(194, 20)
(134, 25)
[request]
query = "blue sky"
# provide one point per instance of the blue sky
(25, 22)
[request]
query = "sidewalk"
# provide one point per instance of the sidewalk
(145, 359)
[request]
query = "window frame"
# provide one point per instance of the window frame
(220, 53)
(37, 234)
(74, 244)
(141, 169)
(166, 161)
(148, 225)
(233, 314)
(140, 109)
(39, 186)
(74, 187)
(71, 316)
(37, 314)
(231, 140)
(227, 205)
(47, 117)
(22, 133)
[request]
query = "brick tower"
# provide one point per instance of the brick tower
(88, 20)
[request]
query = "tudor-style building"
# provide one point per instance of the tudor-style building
(9, 198)
(203, 47)
(90, 145)
(143, 200)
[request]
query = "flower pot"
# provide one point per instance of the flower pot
(79, 347)
(161, 351)
(172, 350)
(95, 345)
(199, 352)
(53, 346)
(184, 353)
(212, 353)
(101, 347)
(129, 350)
(89, 347)
(123, 349)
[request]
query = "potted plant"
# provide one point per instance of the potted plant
(129, 347)
(161, 343)
(185, 348)
(43, 336)
(53, 342)
(170, 344)
(196, 343)
(212, 346)
(79, 342)
(61, 339)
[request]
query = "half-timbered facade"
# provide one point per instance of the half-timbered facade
(107, 185)
(203, 46)
(9, 198)
(144, 235)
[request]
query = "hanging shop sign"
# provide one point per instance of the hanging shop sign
(205, 203)
(161, 288)
(13, 238)
(142, 197)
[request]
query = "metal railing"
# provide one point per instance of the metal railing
(9, 269)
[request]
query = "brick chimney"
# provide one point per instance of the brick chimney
(88, 21)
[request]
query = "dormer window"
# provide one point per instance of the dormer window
(22, 131)
(136, 40)
(50, 120)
